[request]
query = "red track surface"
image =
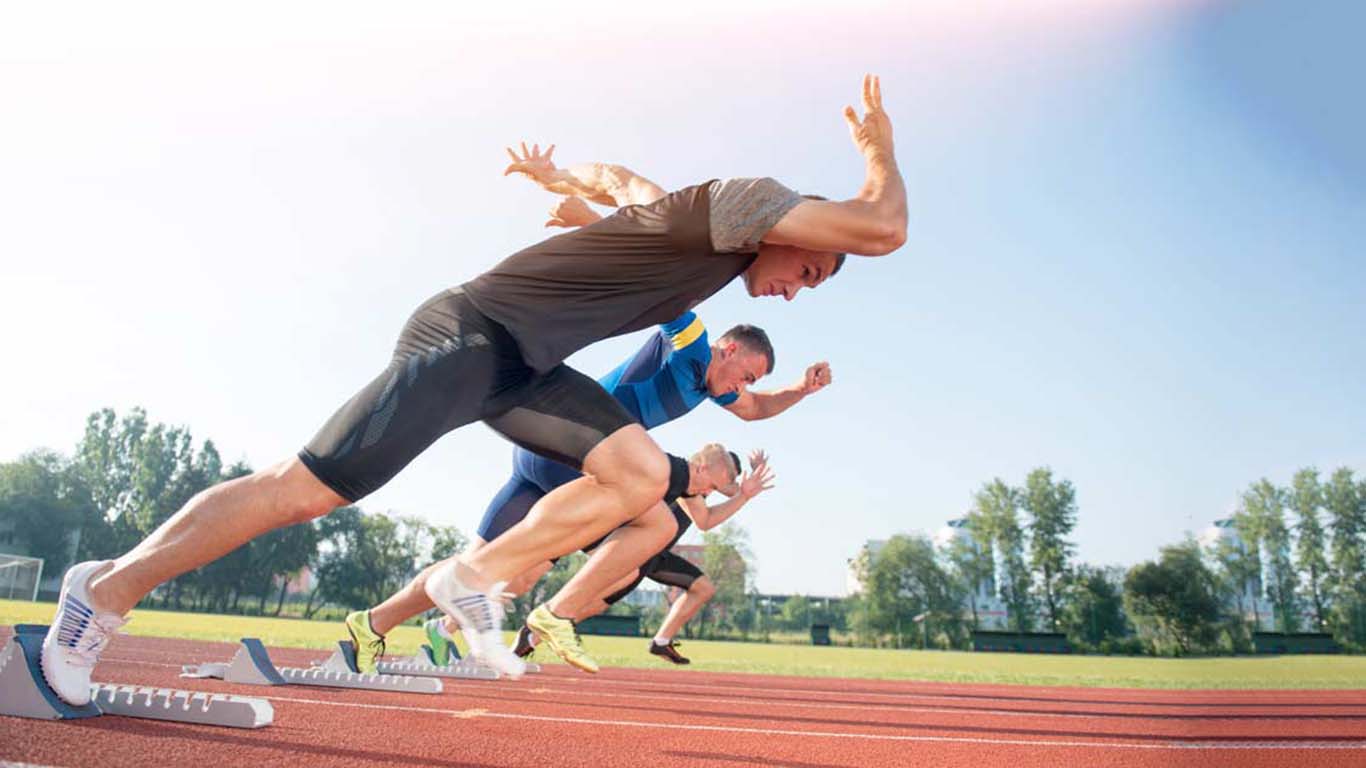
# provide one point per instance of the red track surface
(620, 717)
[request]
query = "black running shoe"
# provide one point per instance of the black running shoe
(668, 652)
(524, 648)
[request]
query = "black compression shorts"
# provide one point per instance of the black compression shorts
(452, 366)
(665, 568)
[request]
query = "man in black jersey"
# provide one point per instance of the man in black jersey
(670, 569)
(492, 350)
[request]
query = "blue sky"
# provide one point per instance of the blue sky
(1135, 255)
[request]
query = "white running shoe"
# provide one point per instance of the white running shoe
(77, 635)
(480, 618)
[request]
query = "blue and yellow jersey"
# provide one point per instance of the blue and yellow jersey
(667, 377)
(664, 379)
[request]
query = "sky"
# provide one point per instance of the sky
(1135, 250)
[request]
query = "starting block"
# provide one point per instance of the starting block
(24, 692)
(424, 665)
(251, 665)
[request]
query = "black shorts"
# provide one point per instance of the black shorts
(665, 568)
(452, 366)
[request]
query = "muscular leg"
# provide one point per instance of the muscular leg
(599, 604)
(685, 607)
(213, 523)
(625, 550)
(624, 475)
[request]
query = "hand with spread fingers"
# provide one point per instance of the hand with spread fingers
(533, 165)
(873, 134)
(759, 478)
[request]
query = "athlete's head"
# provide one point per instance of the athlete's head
(713, 469)
(783, 270)
(742, 356)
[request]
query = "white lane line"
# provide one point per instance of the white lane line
(457, 686)
(1174, 745)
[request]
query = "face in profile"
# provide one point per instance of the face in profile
(734, 367)
(783, 270)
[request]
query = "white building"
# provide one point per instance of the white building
(1256, 609)
(990, 608)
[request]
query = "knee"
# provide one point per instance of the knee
(702, 589)
(630, 462)
(297, 495)
(527, 579)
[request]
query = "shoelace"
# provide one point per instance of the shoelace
(94, 640)
(377, 646)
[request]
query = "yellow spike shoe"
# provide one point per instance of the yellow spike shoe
(368, 643)
(560, 636)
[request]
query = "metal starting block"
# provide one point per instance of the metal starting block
(24, 692)
(423, 665)
(251, 665)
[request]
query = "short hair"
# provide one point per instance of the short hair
(839, 257)
(716, 455)
(752, 338)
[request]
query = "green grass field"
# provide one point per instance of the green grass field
(1020, 669)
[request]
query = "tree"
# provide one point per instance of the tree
(905, 581)
(972, 560)
(1173, 601)
(139, 474)
(1345, 502)
(45, 507)
(1052, 509)
(1261, 520)
(368, 559)
(1311, 553)
(998, 505)
(1093, 611)
(796, 613)
(727, 560)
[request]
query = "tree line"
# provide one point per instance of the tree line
(1297, 549)
(1296, 563)
(128, 475)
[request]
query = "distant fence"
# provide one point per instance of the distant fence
(1294, 642)
(626, 626)
(1020, 642)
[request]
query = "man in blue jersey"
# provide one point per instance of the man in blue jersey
(676, 369)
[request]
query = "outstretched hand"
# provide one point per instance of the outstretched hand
(873, 134)
(532, 164)
(759, 478)
(817, 377)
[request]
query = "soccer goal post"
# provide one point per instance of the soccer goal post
(19, 577)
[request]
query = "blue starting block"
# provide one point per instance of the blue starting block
(24, 692)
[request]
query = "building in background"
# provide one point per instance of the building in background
(982, 598)
(990, 609)
(1250, 600)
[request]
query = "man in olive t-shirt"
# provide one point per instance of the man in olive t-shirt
(492, 351)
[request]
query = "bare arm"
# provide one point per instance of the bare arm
(601, 183)
(753, 406)
(874, 222)
(759, 479)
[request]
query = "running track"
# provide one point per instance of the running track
(622, 718)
